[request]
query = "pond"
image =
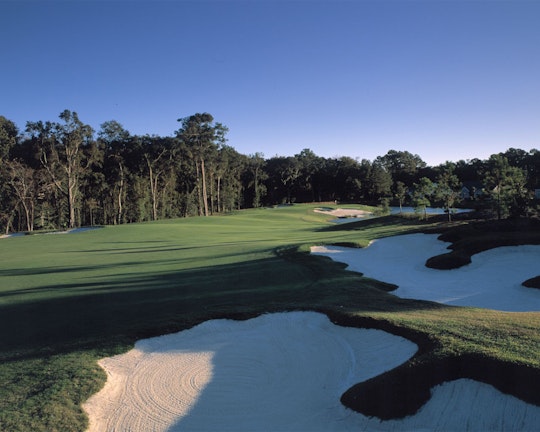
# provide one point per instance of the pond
(429, 210)
(394, 211)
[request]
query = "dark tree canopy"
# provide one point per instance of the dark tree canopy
(60, 174)
(8, 137)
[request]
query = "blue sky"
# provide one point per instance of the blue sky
(446, 80)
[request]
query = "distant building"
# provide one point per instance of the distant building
(537, 194)
(471, 190)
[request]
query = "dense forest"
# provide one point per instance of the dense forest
(57, 175)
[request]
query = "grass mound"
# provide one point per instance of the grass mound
(449, 261)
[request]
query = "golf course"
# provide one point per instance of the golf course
(69, 303)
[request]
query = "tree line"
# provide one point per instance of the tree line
(63, 174)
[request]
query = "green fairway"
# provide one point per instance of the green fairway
(68, 300)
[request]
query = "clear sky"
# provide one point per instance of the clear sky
(446, 80)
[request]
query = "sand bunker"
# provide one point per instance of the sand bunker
(279, 372)
(68, 231)
(492, 280)
(17, 234)
(343, 213)
(276, 372)
(466, 405)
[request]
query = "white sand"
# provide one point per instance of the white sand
(493, 279)
(344, 212)
(276, 372)
(279, 372)
(467, 405)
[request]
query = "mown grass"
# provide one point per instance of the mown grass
(68, 300)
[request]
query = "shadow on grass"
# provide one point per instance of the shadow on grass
(104, 315)
(129, 306)
(385, 226)
(126, 307)
(140, 249)
(52, 270)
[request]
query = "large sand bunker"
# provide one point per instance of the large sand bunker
(276, 372)
(279, 372)
(492, 280)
